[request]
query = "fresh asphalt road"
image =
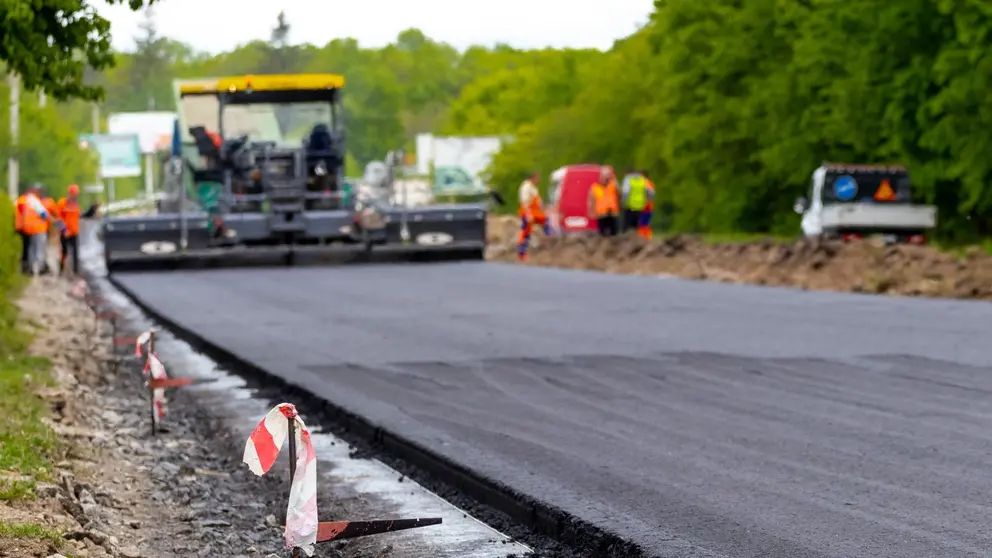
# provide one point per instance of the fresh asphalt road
(696, 419)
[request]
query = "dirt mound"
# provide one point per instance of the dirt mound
(862, 266)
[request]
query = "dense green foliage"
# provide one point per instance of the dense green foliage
(48, 149)
(10, 278)
(10, 245)
(732, 104)
(51, 43)
(729, 104)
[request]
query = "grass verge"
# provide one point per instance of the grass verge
(28, 446)
(31, 531)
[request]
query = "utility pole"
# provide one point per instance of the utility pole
(13, 170)
(95, 116)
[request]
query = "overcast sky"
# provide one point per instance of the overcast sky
(521, 23)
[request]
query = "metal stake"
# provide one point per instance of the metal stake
(292, 465)
(151, 390)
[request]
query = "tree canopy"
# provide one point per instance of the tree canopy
(51, 43)
(730, 105)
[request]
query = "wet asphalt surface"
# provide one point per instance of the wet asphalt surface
(695, 419)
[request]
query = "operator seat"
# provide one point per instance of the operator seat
(319, 146)
(320, 140)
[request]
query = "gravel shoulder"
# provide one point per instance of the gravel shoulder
(109, 487)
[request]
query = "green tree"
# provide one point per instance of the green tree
(48, 150)
(49, 43)
(372, 113)
(501, 101)
(147, 73)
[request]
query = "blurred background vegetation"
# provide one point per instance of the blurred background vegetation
(729, 104)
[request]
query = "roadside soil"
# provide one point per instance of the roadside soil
(860, 266)
(119, 491)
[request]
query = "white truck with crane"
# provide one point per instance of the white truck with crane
(854, 201)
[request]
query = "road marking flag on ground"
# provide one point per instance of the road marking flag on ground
(261, 452)
(156, 369)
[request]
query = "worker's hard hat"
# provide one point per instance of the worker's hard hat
(73, 190)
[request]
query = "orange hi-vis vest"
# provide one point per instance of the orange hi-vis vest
(68, 211)
(19, 205)
(215, 139)
(605, 198)
(51, 206)
(534, 206)
(33, 222)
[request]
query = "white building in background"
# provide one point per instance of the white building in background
(458, 161)
(154, 130)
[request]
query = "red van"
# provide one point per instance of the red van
(569, 198)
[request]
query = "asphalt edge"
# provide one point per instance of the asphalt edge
(540, 517)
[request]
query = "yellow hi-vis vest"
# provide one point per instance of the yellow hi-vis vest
(637, 196)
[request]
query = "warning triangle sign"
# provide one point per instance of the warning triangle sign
(885, 191)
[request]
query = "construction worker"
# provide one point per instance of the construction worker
(604, 207)
(19, 205)
(36, 218)
(215, 138)
(531, 212)
(53, 234)
(635, 199)
(68, 212)
(644, 226)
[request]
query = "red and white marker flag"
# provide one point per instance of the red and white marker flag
(140, 342)
(155, 368)
(261, 452)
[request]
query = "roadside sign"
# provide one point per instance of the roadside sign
(885, 191)
(93, 188)
(120, 154)
(153, 128)
(845, 187)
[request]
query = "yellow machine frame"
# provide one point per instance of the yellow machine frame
(269, 83)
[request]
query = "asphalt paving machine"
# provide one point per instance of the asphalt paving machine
(260, 172)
